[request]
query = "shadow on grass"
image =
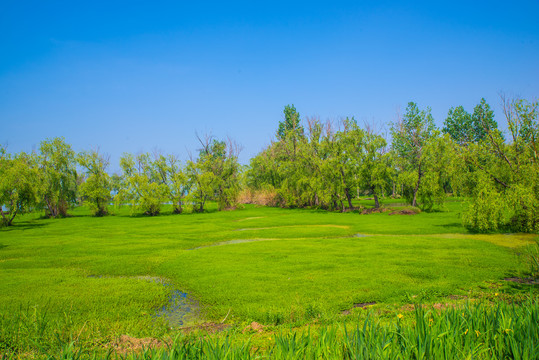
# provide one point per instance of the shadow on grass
(434, 211)
(24, 226)
(519, 287)
(450, 225)
(167, 214)
(68, 216)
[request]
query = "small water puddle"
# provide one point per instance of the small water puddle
(180, 310)
(360, 235)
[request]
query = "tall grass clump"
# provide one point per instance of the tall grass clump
(260, 197)
(481, 331)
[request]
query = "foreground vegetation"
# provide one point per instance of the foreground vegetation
(480, 331)
(483, 331)
(79, 283)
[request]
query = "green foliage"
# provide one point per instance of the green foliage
(97, 185)
(290, 127)
(465, 128)
(458, 125)
(524, 208)
(141, 187)
(374, 166)
(506, 172)
(202, 183)
(324, 167)
(18, 185)
(215, 175)
(482, 121)
(58, 185)
(486, 211)
(411, 138)
(170, 173)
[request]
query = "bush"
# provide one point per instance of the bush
(486, 211)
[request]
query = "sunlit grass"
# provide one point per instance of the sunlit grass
(274, 266)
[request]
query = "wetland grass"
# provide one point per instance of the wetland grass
(75, 285)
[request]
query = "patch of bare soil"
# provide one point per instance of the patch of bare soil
(128, 343)
(403, 212)
(208, 327)
(529, 281)
(254, 326)
(436, 306)
(360, 305)
(374, 211)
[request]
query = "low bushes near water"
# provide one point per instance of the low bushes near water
(483, 330)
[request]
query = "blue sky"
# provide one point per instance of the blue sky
(132, 76)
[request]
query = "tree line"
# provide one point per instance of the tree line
(309, 164)
(48, 180)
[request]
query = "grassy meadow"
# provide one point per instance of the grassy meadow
(85, 281)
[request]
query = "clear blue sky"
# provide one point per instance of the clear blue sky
(131, 76)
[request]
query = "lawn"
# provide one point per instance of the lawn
(104, 277)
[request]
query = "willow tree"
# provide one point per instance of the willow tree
(18, 179)
(215, 174)
(170, 173)
(58, 185)
(506, 191)
(141, 188)
(374, 168)
(96, 189)
(411, 134)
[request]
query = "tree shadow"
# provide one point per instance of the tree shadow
(2, 246)
(24, 226)
(524, 286)
(167, 214)
(450, 225)
(434, 211)
(45, 217)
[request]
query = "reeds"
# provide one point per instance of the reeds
(473, 331)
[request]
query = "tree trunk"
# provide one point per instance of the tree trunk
(12, 217)
(347, 191)
(419, 174)
(349, 198)
(376, 203)
(178, 208)
(4, 220)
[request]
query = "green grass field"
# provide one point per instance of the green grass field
(93, 279)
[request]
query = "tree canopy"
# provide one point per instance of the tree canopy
(310, 163)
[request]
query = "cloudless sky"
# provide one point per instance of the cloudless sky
(132, 76)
